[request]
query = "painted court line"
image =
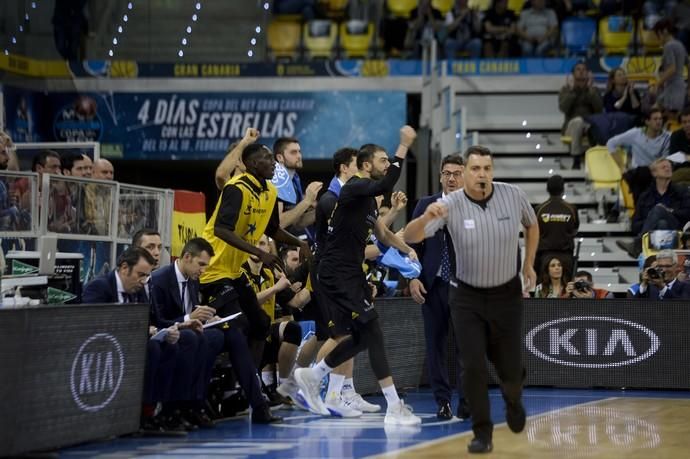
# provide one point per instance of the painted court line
(436, 441)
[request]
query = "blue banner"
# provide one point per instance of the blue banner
(203, 125)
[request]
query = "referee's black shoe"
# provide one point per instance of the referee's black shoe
(464, 410)
(444, 411)
(515, 416)
(478, 446)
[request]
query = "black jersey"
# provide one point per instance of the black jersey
(353, 220)
(324, 210)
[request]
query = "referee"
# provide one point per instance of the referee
(484, 221)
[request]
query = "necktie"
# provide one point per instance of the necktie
(184, 297)
(127, 298)
(445, 260)
(298, 187)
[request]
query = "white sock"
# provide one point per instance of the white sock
(335, 385)
(267, 377)
(321, 369)
(391, 395)
(349, 386)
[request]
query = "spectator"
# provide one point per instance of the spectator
(538, 29)
(461, 31)
(500, 25)
(576, 100)
(305, 8)
(646, 144)
(582, 286)
(635, 288)
(680, 139)
(8, 154)
(663, 206)
(76, 165)
(660, 281)
(652, 10)
(553, 280)
(681, 13)
(620, 95)
(425, 22)
(670, 85)
(558, 225)
(103, 169)
(48, 162)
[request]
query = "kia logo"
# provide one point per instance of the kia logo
(592, 342)
(97, 372)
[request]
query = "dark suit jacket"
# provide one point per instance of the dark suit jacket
(679, 290)
(103, 289)
(166, 295)
(429, 250)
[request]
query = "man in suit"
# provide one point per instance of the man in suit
(175, 292)
(177, 349)
(431, 290)
(659, 282)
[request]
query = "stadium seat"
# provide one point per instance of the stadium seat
(401, 8)
(648, 40)
(335, 9)
(657, 240)
(516, 5)
(319, 38)
(442, 5)
(356, 38)
(601, 168)
(615, 34)
(481, 5)
(577, 35)
(283, 37)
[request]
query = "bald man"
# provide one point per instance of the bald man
(103, 169)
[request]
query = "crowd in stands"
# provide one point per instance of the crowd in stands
(493, 28)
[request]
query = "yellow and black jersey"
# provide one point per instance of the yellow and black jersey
(248, 208)
(260, 282)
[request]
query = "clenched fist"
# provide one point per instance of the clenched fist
(407, 136)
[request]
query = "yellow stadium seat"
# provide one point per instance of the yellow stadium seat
(615, 41)
(356, 45)
(442, 5)
(334, 9)
(648, 248)
(627, 198)
(648, 39)
(319, 45)
(481, 5)
(283, 38)
(401, 8)
(516, 5)
(601, 168)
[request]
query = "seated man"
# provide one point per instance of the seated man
(582, 287)
(126, 285)
(634, 289)
(537, 28)
(646, 145)
(663, 206)
(660, 280)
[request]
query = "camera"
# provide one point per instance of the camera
(582, 285)
(654, 273)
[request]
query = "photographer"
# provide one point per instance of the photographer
(583, 287)
(659, 281)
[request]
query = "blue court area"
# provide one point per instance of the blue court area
(303, 435)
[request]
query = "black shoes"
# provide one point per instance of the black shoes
(463, 410)
(264, 416)
(515, 416)
(478, 446)
(444, 411)
(199, 418)
(632, 248)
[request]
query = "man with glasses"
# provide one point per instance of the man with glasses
(431, 291)
(660, 280)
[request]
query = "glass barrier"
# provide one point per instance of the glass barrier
(140, 208)
(18, 204)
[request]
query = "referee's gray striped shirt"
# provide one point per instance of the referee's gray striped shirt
(486, 239)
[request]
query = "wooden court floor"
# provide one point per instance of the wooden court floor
(630, 428)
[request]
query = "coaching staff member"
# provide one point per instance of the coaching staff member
(431, 291)
(484, 222)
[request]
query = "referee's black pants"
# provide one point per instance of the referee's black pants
(488, 323)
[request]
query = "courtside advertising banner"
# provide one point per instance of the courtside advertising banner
(203, 125)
